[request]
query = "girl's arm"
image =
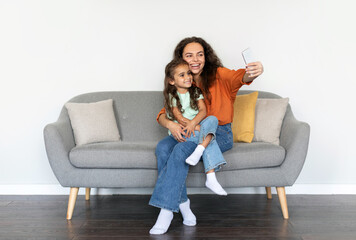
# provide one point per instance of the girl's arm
(175, 128)
(179, 116)
(191, 125)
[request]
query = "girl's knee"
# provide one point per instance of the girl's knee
(212, 120)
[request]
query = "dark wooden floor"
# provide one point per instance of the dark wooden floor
(130, 217)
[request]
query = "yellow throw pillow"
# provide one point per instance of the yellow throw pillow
(244, 117)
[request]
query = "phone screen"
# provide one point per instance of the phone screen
(248, 56)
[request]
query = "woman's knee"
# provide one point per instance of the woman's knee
(229, 145)
(225, 145)
(163, 151)
(165, 146)
(184, 148)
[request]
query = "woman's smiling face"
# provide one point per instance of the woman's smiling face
(193, 54)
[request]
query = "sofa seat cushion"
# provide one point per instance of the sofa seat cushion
(139, 155)
(250, 155)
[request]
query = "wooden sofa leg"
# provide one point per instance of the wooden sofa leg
(283, 200)
(87, 194)
(269, 192)
(71, 202)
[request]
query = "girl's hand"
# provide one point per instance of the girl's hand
(177, 131)
(253, 70)
(189, 128)
(183, 121)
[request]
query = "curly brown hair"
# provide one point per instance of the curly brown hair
(170, 91)
(212, 61)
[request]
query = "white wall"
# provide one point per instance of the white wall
(51, 51)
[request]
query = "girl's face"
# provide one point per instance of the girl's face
(193, 54)
(182, 78)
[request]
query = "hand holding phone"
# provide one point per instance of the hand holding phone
(253, 70)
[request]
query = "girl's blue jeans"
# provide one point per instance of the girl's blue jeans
(212, 155)
(170, 189)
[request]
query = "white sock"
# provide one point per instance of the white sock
(194, 158)
(189, 218)
(163, 221)
(213, 184)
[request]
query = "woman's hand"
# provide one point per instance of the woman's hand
(253, 70)
(177, 131)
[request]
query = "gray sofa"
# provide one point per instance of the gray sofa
(131, 162)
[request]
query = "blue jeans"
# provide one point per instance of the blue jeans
(170, 189)
(212, 155)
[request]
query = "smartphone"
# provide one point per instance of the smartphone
(248, 56)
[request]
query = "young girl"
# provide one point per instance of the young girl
(184, 104)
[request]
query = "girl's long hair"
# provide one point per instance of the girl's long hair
(212, 62)
(170, 91)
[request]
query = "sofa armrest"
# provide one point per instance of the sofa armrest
(294, 138)
(59, 141)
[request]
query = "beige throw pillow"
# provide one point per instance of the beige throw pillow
(93, 122)
(269, 118)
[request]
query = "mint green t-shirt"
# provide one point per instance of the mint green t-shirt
(188, 112)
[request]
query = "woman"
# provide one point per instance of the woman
(219, 86)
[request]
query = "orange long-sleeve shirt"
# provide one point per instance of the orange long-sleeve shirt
(223, 94)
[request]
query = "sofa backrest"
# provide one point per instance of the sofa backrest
(261, 94)
(136, 112)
